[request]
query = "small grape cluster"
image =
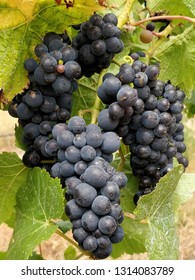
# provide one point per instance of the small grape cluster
(97, 41)
(94, 209)
(147, 115)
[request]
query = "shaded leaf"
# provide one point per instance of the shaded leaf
(19, 137)
(84, 97)
(13, 174)
(64, 226)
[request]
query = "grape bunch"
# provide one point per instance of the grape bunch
(48, 99)
(92, 185)
(147, 115)
(97, 41)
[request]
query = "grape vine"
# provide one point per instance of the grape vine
(109, 166)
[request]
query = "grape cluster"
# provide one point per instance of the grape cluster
(48, 99)
(97, 41)
(147, 115)
(92, 184)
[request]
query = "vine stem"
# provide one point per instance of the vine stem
(72, 242)
(122, 162)
(192, 20)
(155, 46)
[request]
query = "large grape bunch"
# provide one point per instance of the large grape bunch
(48, 99)
(92, 184)
(147, 114)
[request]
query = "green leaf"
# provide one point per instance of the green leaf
(12, 219)
(18, 137)
(35, 256)
(13, 174)
(3, 256)
(39, 201)
(64, 226)
(184, 190)
(135, 232)
(22, 25)
(174, 60)
(185, 7)
(156, 210)
(134, 239)
(70, 253)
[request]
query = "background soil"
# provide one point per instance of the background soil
(54, 248)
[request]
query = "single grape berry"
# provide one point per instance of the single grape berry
(150, 26)
(146, 36)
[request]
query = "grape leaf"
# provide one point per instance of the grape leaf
(178, 49)
(64, 226)
(2, 255)
(35, 256)
(184, 190)
(135, 232)
(39, 200)
(156, 210)
(18, 137)
(134, 239)
(22, 24)
(70, 253)
(13, 174)
(185, 7)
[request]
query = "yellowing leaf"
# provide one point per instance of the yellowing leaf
(22, 25)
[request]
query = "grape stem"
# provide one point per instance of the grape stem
(192, 20)
(155, 46)
(116, 62)
(97, 104)
(122, 162)
(40, 250)
(60, 233)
